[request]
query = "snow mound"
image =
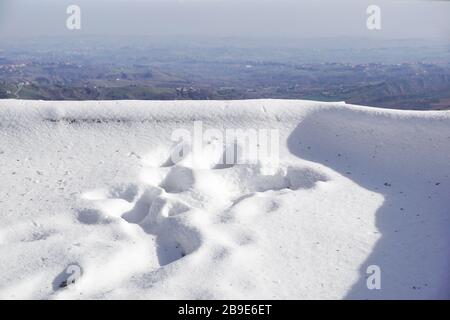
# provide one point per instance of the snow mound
(97, 201)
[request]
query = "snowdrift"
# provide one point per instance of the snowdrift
(89, 192)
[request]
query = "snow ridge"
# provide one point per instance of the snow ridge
(93, 186)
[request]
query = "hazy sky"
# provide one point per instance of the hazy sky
(243, 18)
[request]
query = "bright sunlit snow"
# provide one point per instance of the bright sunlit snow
(91, 186)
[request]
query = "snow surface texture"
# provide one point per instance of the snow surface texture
(90, 185)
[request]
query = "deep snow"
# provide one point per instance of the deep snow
(91, 185)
